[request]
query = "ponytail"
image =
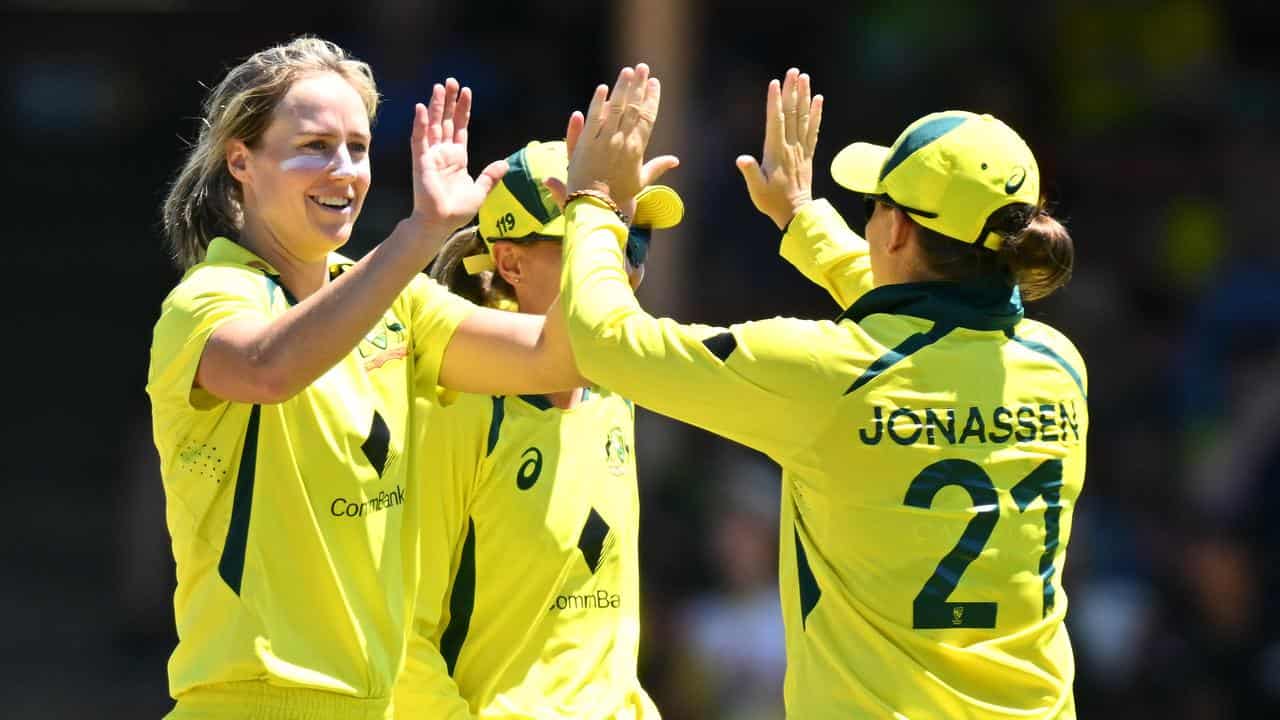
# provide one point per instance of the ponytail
(1036, 252)
(486, 288)
(1041, 256)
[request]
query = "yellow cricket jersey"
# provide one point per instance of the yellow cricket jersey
(932, 442)
(529, 601)
(294, 525)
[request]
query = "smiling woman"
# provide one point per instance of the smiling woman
(296, 369)
(310, 169)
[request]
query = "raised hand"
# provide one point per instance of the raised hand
(444, 195)
(606, 147)
(782, 181)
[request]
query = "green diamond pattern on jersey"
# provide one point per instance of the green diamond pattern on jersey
(377, 443)
(591, 541)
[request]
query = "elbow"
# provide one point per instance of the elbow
(274, 390)
(269, 378)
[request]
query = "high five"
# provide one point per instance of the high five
(932, 439)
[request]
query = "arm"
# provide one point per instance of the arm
(816, 241)
(269, 360)
(823, 248)
(770, 385)
(504, 353)
(253, 359)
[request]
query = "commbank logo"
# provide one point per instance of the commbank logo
(598, 600)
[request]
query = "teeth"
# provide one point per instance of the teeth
(329, 201)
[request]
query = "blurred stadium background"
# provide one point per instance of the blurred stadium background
(1152, 124)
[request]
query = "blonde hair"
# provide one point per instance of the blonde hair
(487, 288)
(204, 200)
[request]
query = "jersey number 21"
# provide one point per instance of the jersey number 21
(931, 609)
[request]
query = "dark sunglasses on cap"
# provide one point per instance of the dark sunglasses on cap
(869, 206)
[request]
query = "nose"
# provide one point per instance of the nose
(342, 166)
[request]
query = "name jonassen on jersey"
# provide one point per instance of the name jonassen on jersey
(1049, 422)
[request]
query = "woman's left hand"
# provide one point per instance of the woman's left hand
(781, 182)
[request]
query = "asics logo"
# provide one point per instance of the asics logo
(1015, 180)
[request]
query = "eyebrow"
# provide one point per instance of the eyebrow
(330, 133)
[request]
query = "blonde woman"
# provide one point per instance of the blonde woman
(281, 378)
(530, 593)
(932, 438)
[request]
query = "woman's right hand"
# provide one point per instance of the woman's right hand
(782, 182)
(444, 195)
(606, 148)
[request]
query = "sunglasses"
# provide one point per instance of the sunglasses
(869, 202)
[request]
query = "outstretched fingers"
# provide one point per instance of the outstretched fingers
(815, 122)
(804, 98)
(418, 137)
(597, 111)
(574, 131)
(650, 102)
(435, 111)
(618, 98)
(790, 114)
(450, 106)
(636, 94)
(462, 116)
(773, 121)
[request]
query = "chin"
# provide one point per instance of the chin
(335, 239)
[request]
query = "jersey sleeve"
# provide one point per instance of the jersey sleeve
(771, 385)
(821, 246)
(451, 452)
(197, 307)
(435, 314)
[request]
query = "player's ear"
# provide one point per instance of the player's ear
(238, 160)
(901, 230)
(508, 261)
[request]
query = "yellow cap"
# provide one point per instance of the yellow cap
(950, 170)
(520, 205)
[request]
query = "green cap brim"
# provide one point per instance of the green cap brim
(658, 207)
(857, 167)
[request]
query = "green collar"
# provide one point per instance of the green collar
(983, 305)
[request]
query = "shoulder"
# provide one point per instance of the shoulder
(423, 289)
(1048, 340)
(216, 280)
(1052, 338)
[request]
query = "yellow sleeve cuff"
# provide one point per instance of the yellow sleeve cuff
(586, 216)
(816, 217)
